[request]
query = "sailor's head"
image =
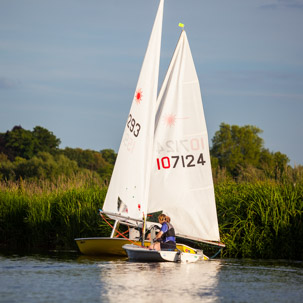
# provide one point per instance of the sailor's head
(161, 218)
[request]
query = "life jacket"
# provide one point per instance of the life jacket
(169, 233)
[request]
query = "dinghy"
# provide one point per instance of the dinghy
(140, 254)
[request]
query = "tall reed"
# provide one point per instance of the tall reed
(50, 215)
(261, 220)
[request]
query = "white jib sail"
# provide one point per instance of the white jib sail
(181, 180)
(128, 190)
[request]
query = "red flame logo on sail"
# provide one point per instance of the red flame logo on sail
(138, 96)
(170, 120)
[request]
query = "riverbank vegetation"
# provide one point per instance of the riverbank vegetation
(50, 196)
(261, 219)
(49, 215)
(257, 219)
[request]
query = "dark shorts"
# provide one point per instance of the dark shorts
(169, 245)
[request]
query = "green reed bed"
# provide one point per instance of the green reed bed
(256, 219)
(261, 220)
(50, 215)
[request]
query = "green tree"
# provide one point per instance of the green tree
(7, 168)
(93, 160)
(89, 159)
(240, 151)
(237, 147)
(45, 166)
(19, 143)
(45, 141)
(109, 155)
(100, 162)
(25, 144)
(2, 144)
(273, 164)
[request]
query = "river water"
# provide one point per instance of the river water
(69, 277)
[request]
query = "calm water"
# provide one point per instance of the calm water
(68, 277)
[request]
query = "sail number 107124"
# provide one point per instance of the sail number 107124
(180, 161)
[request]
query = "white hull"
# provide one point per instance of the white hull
(140, 254)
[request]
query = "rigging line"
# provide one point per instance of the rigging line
(215, 255)
(117, 230)
(123, 233)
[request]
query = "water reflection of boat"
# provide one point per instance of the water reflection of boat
(160, 282)
(163, 164)
(100, 258)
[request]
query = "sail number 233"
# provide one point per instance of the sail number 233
(177, 161)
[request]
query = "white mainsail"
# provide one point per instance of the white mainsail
(181, 180)
(129, 186)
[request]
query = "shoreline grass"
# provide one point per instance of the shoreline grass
(50, 215)
(260, 219)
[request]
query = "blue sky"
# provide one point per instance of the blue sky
(72, 66)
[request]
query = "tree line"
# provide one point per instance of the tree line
(36, 155)
(237, 153)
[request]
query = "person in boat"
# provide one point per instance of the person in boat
(165, 239)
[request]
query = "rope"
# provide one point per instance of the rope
(118, 231)
(215, 255)
(123, 233)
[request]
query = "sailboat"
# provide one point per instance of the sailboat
(163, 164)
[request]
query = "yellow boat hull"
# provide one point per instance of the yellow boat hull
(113, 246)
(104, 246)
